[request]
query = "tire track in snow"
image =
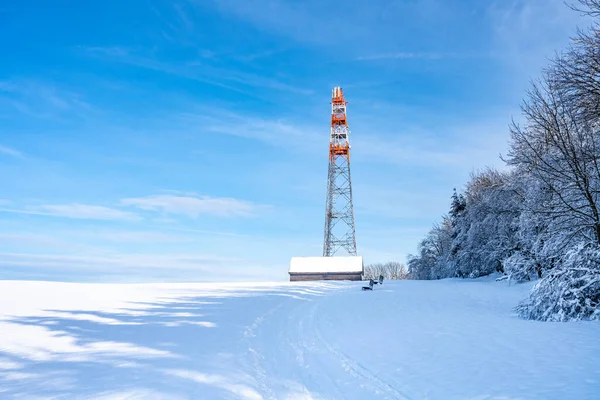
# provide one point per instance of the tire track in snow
(294, 351)
(256, 357)
(356, 369)
(303, 351)
(309, 356)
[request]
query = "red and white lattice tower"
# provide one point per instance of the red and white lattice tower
(339, 218)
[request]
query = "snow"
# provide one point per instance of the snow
(449, 339)
(348, 264)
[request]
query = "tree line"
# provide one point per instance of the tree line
(391, 270)
(539, 219)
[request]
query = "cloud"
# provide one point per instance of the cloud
(196, 69)
(109, 51)
(406, 56)
(43, 100)
(368, 26)
(290, 19)
(464, 146)
(377, 201)
(104, 235)
(69, 239)
(77, 211)
(10, 152)
(29, 238)
(527, 33)
(146, 267)
(189, 205)
(272, 131)
(134, 394)
(139, 237)
(194, 206)
(195, 231)
(82, 211)
(109, 262)
(409, 135)
(259, 55)
(40, 99)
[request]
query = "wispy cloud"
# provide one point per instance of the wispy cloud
(194, 206)
(82, 211)
(195, 69)
(407, 56)
(11, 152)
(376, 201)
(108, 235)
(368, 26)
(183, 17)
(135, 393)
(461, 144)
(41, 99)
(109, 51)
(272, 131)
(190, 205)
(527, 33)
(52, 240)
(30, 238)
(109, 261)
(139, 237)
(176, 23)
(197, 231)
(76, 211)
(120, 267)
(291, 19)
(259, 55)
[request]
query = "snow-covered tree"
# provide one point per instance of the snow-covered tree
(569, 292)
(577, 72)
(559, 147)
(485, 230)
(391, 270)
(541, 220)
(431, 262)
(527, 261)
(562, 152)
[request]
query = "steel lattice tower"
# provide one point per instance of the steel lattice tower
(339, 218)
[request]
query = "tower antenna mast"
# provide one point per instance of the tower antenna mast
(339, 217)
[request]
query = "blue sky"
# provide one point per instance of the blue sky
(187, 140)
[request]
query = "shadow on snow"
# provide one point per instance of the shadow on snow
(186, 347)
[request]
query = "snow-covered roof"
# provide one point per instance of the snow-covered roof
(349, 264)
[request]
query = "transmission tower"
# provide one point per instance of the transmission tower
(339, 217)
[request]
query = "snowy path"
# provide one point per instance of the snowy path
(405, 340)
(305, 359)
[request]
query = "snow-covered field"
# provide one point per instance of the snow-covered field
(445, 339)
